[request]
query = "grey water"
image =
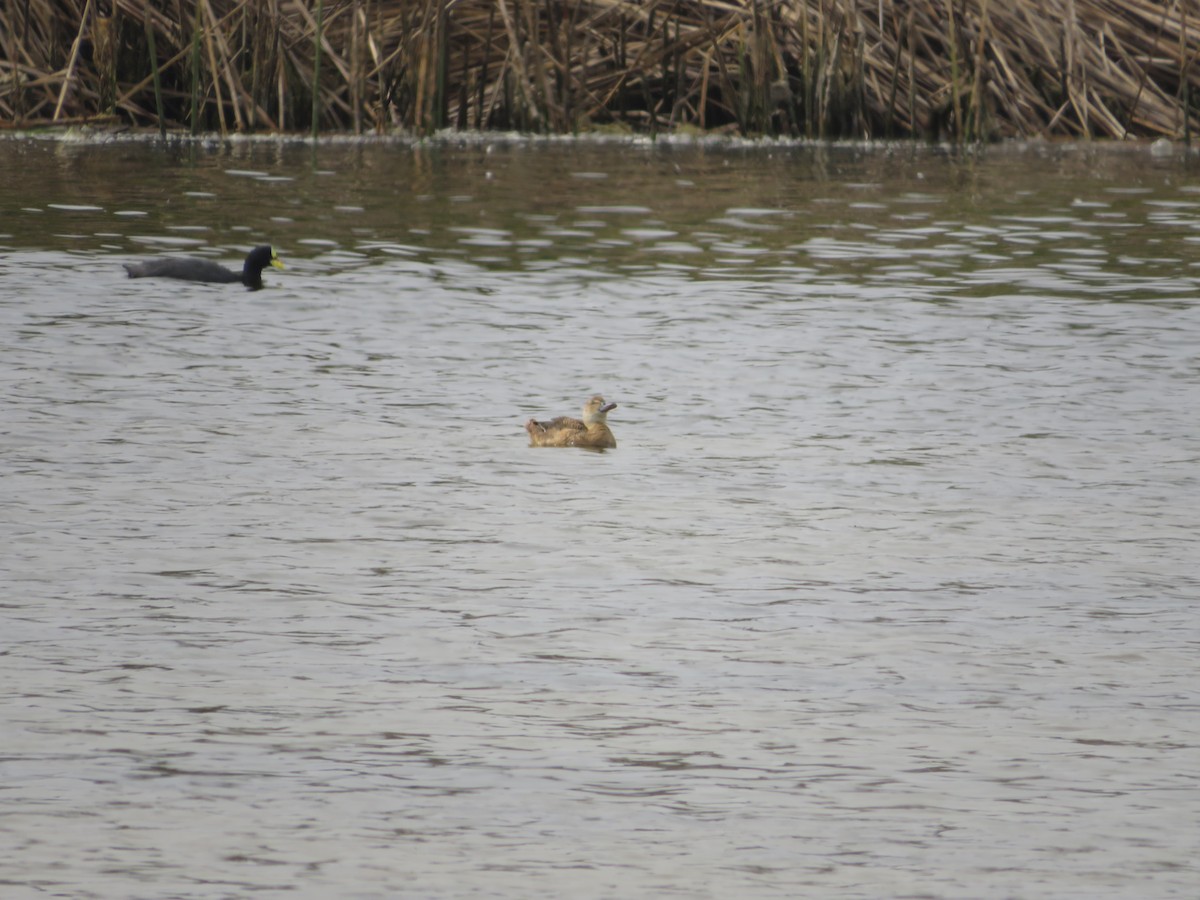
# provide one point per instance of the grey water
(889, 589)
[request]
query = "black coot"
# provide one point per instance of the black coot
(193, 269)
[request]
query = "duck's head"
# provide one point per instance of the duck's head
(595, 411)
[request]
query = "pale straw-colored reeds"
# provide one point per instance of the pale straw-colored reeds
(962, 70)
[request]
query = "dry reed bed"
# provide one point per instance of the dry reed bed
(960, 69)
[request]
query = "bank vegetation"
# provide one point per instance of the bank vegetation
(962, 70)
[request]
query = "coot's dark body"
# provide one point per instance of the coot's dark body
(207, 271)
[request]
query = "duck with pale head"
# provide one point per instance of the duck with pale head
(591, 432)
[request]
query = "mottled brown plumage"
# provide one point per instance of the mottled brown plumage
(592, 433)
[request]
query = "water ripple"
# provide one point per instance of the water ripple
(895, 556)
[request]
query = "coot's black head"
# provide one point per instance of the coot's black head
(257, 260)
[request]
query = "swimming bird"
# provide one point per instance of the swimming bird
(591, 433)
(193, 269)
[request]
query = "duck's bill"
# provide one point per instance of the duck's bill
(277, 262)
(607, 406)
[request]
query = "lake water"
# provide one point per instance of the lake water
(889, 590)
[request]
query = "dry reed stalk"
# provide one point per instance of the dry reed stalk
(213, 68)
(912, 80)
(1185, 65)
(815, 67)
(976, 130)
(105, 58)
(195, 72)
(152, 49)
(75, 45)
(318, 35)
(356, 86)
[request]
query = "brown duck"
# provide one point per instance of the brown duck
(592, 433)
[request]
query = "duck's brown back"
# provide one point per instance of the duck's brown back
(555, 433)
(597, 437)
(563, 423)
(568, 432)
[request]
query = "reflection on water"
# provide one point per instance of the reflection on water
(889, 589)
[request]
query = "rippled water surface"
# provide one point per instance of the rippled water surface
(890, 588)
